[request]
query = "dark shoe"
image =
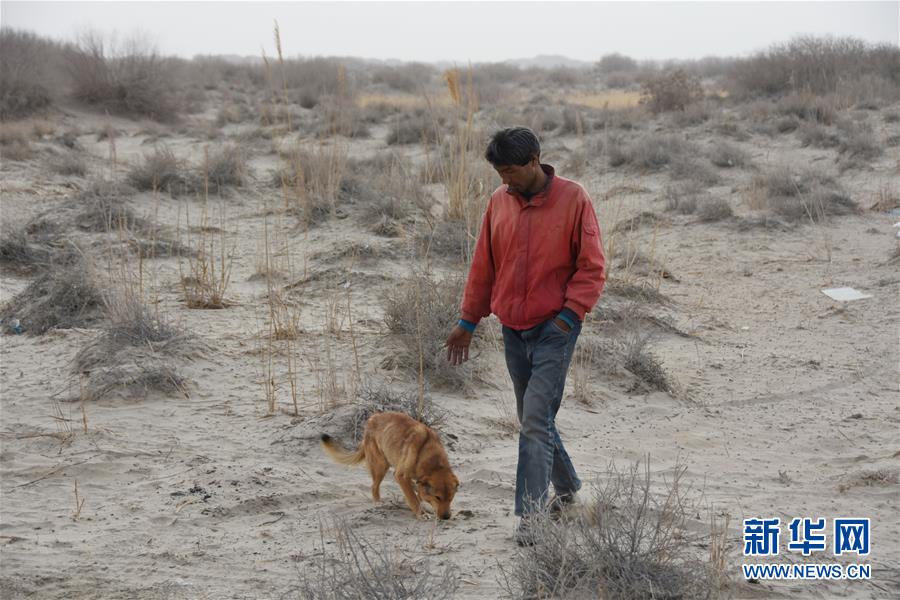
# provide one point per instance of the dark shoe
(524, 535)
(558, 505)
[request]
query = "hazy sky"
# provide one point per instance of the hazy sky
(462, 31)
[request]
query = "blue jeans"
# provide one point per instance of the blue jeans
(538, 359)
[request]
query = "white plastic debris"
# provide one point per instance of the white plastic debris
(845, 294)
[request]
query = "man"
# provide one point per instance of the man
(539, 267)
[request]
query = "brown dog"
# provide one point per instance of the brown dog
(397, 440)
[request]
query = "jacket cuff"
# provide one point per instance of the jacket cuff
(575, 309)
(470, 317)
(568, 315)
(468, 325)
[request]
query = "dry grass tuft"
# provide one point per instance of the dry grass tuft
(65, 296)
(104, 208)
(358, 568)
(161, 170)
(133, 354)
(627, 543)
(805, 195)
(421, 311)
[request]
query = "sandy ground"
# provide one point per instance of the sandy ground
(788, 405)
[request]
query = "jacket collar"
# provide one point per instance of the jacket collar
(539, 198)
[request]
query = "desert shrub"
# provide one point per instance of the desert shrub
(70, 163)
(418, 128)
(891, 116)
(682, 198)
(446, 238)
(858, 142)
(224, 166)
(131, 80)
(357, 568)
(693, 115)
(573, 121)
(103, 207)
(818, 136)
(732, 130)
(805, 195)
(133, 353)
(161, 170)
(26, 73)
(629, 543)
(650, 152)
(714, 209)
(316, 177)
(20, 251)
(674, 90)
(64, 296)
(410, 77)
(809, 107)
(421, 312)
(820, 65)
(727, 155)
(389, 196)
(684, 167)
(643, 364)
(616, 63)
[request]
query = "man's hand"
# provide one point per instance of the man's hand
(458, 346)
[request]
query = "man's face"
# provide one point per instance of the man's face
(519, 178)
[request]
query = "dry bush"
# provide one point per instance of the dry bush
(818, 136)
(70, 163)
(65, 296)
(675, 90)
(686, 167)
(15, 142)
(726, 155)
(20, 251)
(446, 239)
(313, 180)
(650, 152)
(644, 365)
(418, 128)
(103, 207)
(224, 166)
(161, 170)
(809, 107)
(820, 65)
(27, 73)
(421, 312)
(387, 190)
(694, 114)
(805, 195)
(133, 354)
(411, 78)
(209, 263)
(356, 568)
(714, 209)
(132, 79)
(858, 144)
(628, 543)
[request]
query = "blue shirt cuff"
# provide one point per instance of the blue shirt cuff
(568, 315)
(467, 325)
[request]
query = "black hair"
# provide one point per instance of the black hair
(512, 146)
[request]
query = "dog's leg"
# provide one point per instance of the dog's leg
(412, 499)
(378, 467)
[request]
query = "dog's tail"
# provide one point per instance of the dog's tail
(339, 455)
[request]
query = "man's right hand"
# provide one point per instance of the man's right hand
(458, 346)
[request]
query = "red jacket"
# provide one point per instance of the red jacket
(533, 259)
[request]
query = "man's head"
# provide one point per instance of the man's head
(515, 154)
